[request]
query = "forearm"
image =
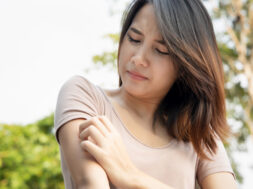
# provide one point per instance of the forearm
(144, 181)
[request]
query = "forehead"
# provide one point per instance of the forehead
(145, 20)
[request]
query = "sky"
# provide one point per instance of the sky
(45, 42)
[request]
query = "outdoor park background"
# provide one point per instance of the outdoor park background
(44, 43)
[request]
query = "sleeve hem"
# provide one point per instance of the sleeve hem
(215, 170)
(66, 120)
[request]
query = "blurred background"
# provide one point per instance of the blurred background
(44, 43)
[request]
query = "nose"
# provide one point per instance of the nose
(140, 57)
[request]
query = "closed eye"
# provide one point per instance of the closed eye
(132, 39)
(162, 52)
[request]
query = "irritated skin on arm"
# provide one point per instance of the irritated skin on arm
(85, 171)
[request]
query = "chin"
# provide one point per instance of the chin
(134, 89)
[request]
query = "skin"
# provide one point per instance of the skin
(141, 52)
(83, 167)
(135, 100)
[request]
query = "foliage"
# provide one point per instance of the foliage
(108, 56)
(29, 156)
(236, 47)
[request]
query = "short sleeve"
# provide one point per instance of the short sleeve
(76, 100)
(219, 163)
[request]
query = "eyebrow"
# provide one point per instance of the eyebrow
(138, 32)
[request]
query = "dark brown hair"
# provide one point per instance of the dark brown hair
(194, 108)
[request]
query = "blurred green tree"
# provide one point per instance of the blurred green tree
(29, 156)
(236, 47)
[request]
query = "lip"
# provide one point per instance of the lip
(136, 75)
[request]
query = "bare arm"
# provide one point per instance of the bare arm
(84, 169)
(219, 181)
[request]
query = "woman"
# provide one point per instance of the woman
(162, 128)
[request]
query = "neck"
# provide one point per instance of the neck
(142, 107)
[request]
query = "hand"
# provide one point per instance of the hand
(100, 138)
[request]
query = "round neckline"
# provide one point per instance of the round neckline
(129, 133)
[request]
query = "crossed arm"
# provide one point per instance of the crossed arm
(87, 172)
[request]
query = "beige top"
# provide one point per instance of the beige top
(175, 164)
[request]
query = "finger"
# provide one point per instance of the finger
(96, 122)
(92, 148)
(84, 125)
(107, 123)
(94, 133)
(91, 139)
(103, 129)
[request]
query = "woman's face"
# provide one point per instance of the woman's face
(145, 65)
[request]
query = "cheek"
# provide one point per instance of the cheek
(166, 72)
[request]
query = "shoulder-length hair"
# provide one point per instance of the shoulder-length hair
(193, 110)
